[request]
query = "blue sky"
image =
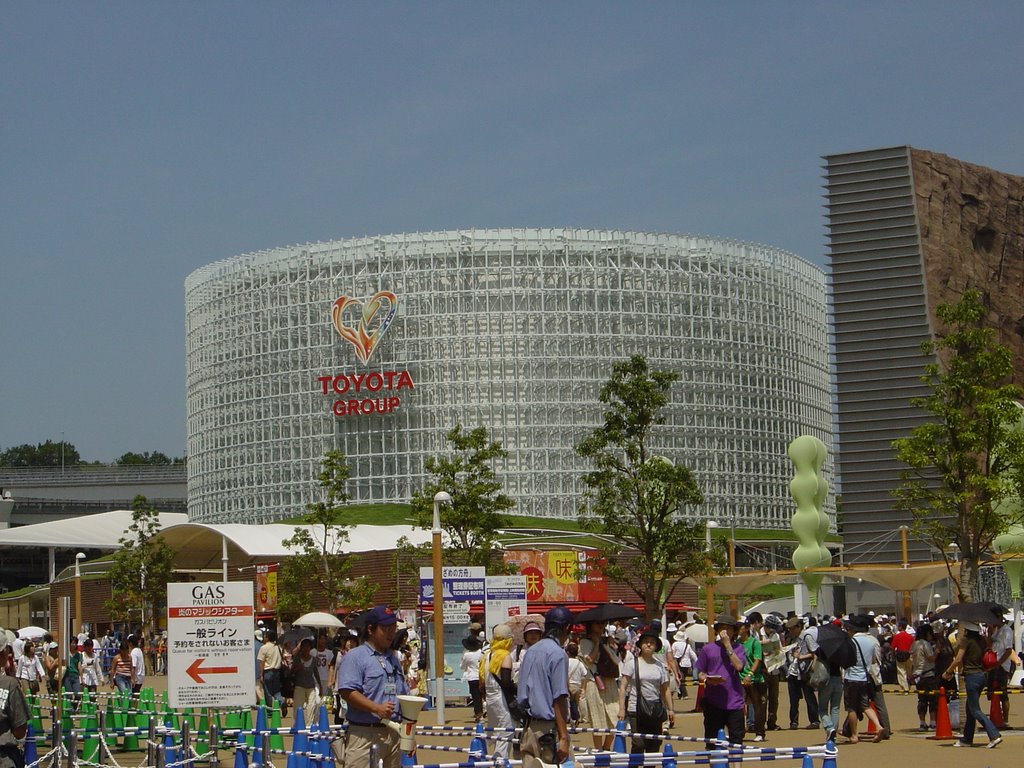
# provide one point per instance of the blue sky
(141, 140)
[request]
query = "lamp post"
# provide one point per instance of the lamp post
(79, 557)
(439, 498)
(954, 550)
(709, 588)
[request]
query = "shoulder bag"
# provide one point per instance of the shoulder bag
(819, 675)
(649, 714)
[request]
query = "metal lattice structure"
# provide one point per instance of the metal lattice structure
(515, 330)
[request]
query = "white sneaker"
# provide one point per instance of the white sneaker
(759, 738)
(994, 743)
(959, 743)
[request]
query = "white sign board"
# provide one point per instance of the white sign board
(506, 597)
(211, 658)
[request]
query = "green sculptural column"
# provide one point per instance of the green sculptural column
(810, 523)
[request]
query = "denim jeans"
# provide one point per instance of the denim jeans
(975, 681)
(830, 699)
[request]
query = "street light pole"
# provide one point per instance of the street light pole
(709, 584)
(439, 498)
(79, 557)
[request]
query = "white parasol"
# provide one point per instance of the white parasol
(698, 633)
(32, 633)
(518, 623)
(318, 619)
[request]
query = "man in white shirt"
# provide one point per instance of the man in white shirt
(1001, 635)
(138, 663)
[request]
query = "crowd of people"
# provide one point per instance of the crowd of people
(747, 663)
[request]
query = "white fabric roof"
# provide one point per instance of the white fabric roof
(100, 531)
(200, 546)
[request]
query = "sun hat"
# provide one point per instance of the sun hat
(533, 626)
(650, 631)
(970, 626)
(726, 619)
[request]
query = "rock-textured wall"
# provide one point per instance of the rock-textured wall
(972, 236)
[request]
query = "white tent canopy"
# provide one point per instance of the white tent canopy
(201, 546)
(198, 546)
(100, 531)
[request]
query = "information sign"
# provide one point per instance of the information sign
(459, 583)
(210, 652)
(506, 597)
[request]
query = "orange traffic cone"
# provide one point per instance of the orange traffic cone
(943, 730)
(871, 723)
(995, 709)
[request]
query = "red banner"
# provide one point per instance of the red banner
(560, 576)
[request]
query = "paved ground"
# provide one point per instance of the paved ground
(906, 745)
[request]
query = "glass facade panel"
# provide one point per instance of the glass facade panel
(515, 330)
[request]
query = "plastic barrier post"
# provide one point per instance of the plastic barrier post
(325, 729)
(131, 736)
(943, 730)
(203, 734)
(669, 756)
(241, 755)
(721, 761)
(31, 750)
(619, 742)
(300, 740)
(995, 709)
(276, 739)
(170, 751)
(871, 723)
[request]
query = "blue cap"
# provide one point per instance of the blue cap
(380, 615)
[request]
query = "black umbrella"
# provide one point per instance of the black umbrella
(607, 612)
(832, 641)
(980, 613)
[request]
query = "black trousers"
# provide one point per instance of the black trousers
(732, 720)
(773, 701)
(797, 691)
(476, 697)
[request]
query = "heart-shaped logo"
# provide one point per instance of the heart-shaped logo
(370, 323)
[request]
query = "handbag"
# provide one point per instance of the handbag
(606, 666)
(989, 660)
(648, 713)
(819, 676)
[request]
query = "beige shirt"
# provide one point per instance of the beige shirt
(270, 655)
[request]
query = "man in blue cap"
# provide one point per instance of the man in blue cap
(544, 691)
(370, 680)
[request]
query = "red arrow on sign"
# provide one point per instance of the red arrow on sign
(195, 670)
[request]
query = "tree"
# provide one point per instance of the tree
(319, 552)
(48, 454)
(634, 496)
(474, 517)
(968, 459)
(142, 568)
(156, 458)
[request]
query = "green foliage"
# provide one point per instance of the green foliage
(967, 459)
(474, 517)
(142, 568)
(633, 496)
(156, 458)
(46, 454)
(319, 552)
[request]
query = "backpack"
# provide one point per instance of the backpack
(846, 656)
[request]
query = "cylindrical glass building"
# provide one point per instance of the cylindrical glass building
(378, 346)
